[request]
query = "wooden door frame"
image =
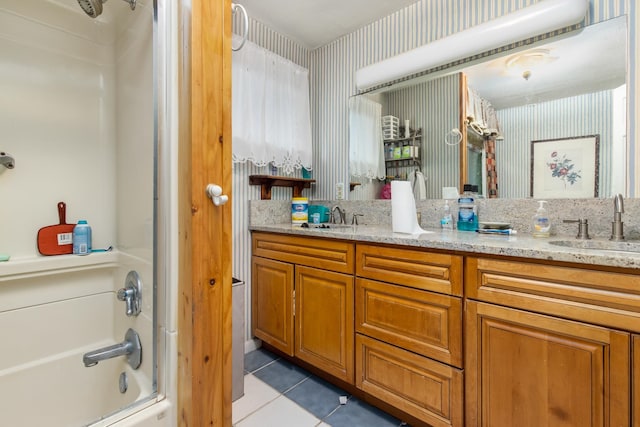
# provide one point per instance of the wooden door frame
(204, 156)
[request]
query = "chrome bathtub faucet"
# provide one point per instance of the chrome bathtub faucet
(130, 347)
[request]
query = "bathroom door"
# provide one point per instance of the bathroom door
(204, 323)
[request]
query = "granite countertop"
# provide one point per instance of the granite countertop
(523, 246)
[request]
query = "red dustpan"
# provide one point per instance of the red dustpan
(57, 239)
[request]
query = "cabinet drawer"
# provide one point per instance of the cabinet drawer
(327, 254)
(600, 297)
(428, 390)
(419, 321)
(411, 267)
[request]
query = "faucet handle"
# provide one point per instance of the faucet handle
(583, 227)
(131, 294)
(354, 219)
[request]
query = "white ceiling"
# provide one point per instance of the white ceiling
(592, 60)
(314, 23)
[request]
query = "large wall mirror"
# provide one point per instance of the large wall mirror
(553, 93)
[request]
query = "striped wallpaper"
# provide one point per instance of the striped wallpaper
(332, 72)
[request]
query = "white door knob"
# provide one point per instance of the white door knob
(215, 193)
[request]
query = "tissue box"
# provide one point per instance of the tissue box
(322, 210)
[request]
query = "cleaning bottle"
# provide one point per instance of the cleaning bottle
(541, 223)
(82, 238)
(447, 220)
(467, 210)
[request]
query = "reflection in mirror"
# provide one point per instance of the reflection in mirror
(571, 87)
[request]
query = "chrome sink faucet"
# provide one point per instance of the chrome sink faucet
(617, 226)
(341, 212)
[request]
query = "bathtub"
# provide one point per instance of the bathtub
(49, 317)
(60, 391)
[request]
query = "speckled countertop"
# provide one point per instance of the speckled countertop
(463, 241)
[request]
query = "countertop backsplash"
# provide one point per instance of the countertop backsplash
(518, 212)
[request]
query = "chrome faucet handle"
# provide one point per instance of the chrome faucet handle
(131, 294)
(128, 296)
(617, 226)
(583, 228)
(354, 219)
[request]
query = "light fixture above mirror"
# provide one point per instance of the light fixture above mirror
(540, 18)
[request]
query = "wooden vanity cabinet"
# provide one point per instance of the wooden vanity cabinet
(533, 355)
(409, 331)
(635, 391)
(302, 299)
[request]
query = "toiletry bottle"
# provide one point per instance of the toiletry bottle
(541, 223)
(82, 238)
(299, 210)
(467, 210)
(447, 220)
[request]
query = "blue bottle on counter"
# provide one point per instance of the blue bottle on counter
(467, 210)
(82, 238)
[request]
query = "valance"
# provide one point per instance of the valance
(271, 112)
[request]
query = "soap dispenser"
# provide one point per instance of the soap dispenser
(447, 219)
(541, 223)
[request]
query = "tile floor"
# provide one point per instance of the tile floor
(280, 394)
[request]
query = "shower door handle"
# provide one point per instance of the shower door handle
(215, 193)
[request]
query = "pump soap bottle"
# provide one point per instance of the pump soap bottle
(447, 219)
(541, 223)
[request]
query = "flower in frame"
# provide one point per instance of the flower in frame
(563, 168)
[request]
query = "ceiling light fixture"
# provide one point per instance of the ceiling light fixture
(540, 18)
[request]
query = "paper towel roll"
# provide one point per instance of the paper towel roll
(403, 209)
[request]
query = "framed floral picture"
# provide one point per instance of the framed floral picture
(565, 168)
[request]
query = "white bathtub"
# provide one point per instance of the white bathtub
(48, 320)
(60, 391)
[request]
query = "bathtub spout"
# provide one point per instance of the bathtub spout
(130, 347)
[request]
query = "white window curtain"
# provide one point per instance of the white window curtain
(366, 149)
(271, 113)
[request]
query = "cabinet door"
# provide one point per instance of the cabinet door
(525, 369)
(636, 381)
(272, 302)
(324, 321)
